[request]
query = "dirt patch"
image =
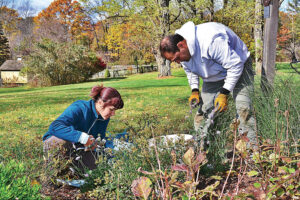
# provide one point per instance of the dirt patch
(63, 193)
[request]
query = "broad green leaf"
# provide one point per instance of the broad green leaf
(274, 179)
(185, 197)
(291, 170)
(280, 192)
(290, 187)
(216, 177)
(252, 173)
(257, 185)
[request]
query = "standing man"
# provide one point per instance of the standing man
(215, 53)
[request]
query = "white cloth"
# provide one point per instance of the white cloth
(83, 138)
(217, 53)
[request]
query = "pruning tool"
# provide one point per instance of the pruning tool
(194, 104)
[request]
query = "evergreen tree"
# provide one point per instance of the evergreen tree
(4, 47)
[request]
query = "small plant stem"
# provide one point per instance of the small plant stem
(259, 149)
(240, 179)
(158, 162)
(232, 162)
(287, 122)
(277, 145)
(118, 183)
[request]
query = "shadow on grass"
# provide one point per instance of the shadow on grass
(152, 86)
(107, 79)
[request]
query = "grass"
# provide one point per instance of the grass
(26, 113)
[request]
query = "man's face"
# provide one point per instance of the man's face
(182, 55)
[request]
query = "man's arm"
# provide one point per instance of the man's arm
(223, 54)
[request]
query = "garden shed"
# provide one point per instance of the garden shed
(10, 72)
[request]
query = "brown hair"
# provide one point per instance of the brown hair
(110, 96)
(169, 44)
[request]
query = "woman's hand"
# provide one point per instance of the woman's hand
(90, 144)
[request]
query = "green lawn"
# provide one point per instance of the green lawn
(26, 113)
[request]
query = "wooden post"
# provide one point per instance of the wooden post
(270, 41)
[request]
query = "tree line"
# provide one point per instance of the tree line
(124, 31)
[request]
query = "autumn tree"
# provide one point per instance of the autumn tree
(239, 16)
(289, 35)
(9, 18)
(68, 17)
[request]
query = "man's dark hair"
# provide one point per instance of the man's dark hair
(169, 43)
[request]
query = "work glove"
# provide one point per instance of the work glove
(221, 102)
(91, 143)
(194, 98)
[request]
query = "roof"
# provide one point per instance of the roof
(11, 65)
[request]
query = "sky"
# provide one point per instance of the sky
(38, 5)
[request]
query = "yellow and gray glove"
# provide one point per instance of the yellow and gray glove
(194, 98)
(221, 102)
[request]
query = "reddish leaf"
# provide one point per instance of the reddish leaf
(180, 167)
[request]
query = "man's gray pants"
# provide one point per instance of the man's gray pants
(241, 96)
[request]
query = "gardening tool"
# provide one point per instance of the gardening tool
(193, 104)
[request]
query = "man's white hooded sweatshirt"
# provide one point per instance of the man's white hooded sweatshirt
(217, 53)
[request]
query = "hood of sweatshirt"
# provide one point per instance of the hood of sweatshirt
(188, 32)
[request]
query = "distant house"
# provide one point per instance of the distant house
(10, 72)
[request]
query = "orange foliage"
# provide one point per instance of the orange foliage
(70, 14)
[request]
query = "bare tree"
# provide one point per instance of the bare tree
(26, 9)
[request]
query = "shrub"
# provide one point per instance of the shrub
(61, 63)
(14, 184)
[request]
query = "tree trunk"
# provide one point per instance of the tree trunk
(258, 29)
(269, 53)
(164, 67)
(225, 3)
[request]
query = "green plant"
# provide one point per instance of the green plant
(14, 184)
(106, 73)
(277, 113)
(167, 182)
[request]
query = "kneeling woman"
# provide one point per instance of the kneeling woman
(80, 124)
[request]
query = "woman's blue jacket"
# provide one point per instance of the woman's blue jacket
(80, 116)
